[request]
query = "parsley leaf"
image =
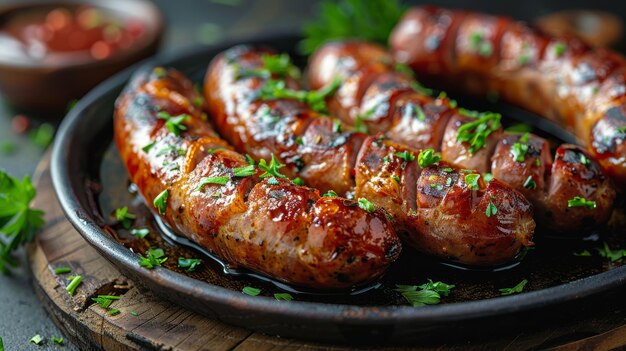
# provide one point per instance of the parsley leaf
(476, 132)
(160, 201)
(491, 210)
(425, 294)
(428, 157)
(154, 258)
(174, 123)
(472, 181)
(519, 151)
(189, 263)
(37, 340)
(272, 64)
(221, 180)
(366, 205)
(372, 20)
(276, 89)
(530, 183)
(330, 193)
(271, 170)
(613, 255)
(140, 232)
(18, 222)
(578, 201)
(407, 156)
(514, 290)
(439, 287)
(248, 290)
(124, 217)
(283, 296)
(58, 341)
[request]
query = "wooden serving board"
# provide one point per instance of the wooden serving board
(146, 322)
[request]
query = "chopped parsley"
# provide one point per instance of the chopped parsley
(480, 45)
(583, 253)
(174, 123)
(520, 128)
(271, 170)
(584, 159)
(336, 125)
(298, 181)
(514, 290)
(613, 255)
(578, 201)
(472, 181)
(248, 290)
(283, 296)
(366, 205)
(74, 283)
(396, 178)
(428, 157)
(330, 193)
(407, 156)
(415, 85)
(425, 294)
(140, 232)
(62, 270)
(58, 341)
(272, 64)
(559, 49)
(124, 217)
(519, 152)
(160, 201)
(276, 89)
(488, 177)
(189, 264)
(153, 258)
(476, 132)
(530, 183)
(18, 222)
(105, 301)
(491, 210)
(37, 340)
(149, 146)
(359, 125)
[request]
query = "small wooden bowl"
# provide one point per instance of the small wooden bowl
(48, 86)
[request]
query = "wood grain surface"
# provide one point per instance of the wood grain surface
(162, 325)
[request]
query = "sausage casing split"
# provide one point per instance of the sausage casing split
(433, 208)
(272, 226)
(388, 101)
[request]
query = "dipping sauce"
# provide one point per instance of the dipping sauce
(67, 33)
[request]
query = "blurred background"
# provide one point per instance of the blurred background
(25, 135)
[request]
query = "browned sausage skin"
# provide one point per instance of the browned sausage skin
(388, 101)
(451, 222)
(558, 77)
(270, 225)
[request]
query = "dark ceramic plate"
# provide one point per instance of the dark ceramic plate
(91, 182)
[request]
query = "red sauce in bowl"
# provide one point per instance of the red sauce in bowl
(68, 33)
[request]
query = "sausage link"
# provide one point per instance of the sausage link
(452, 224)
(270, 225)
(561, 78)
(388, 101)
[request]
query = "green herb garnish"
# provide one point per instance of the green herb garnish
(491, 210)
(613, 255)
(578, 201)
(149, 146)
(439, 287)
(366, 205)
(559, 49)
(174, 123)
(283, 297)
(105, 301)
(584, 160)
(189, 264)
(530, 183)
(407, 156)
(18, 222)
(271, 170)
(37, 340)
(62, 270)
(514, 290)
(472, 181)
(124, 217)
(371, 20)
(330, 193)
(140, 232)
(425, 294)
(58, 341)
(160, 201)
(221, 180)
(519, 152)
(74, 283)
(479, 44)
(476, 132)
(428, 157)
(153, 258)
(248, 290)
(520, 128)
(276, 89)
(298, 181)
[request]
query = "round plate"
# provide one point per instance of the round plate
(88, 179)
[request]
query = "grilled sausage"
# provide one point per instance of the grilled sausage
(389, 101)
(272, 226)
(435, 209)
(561, 78)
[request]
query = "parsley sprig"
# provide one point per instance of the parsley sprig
(426, 294)
(279, 65)
(189, 264)
(514, 290)
(155, 257)
(476, 132)
(428, 157)
(276, 89)
(18, 222)
(371, 20)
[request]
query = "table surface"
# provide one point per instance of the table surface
(190, 23)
